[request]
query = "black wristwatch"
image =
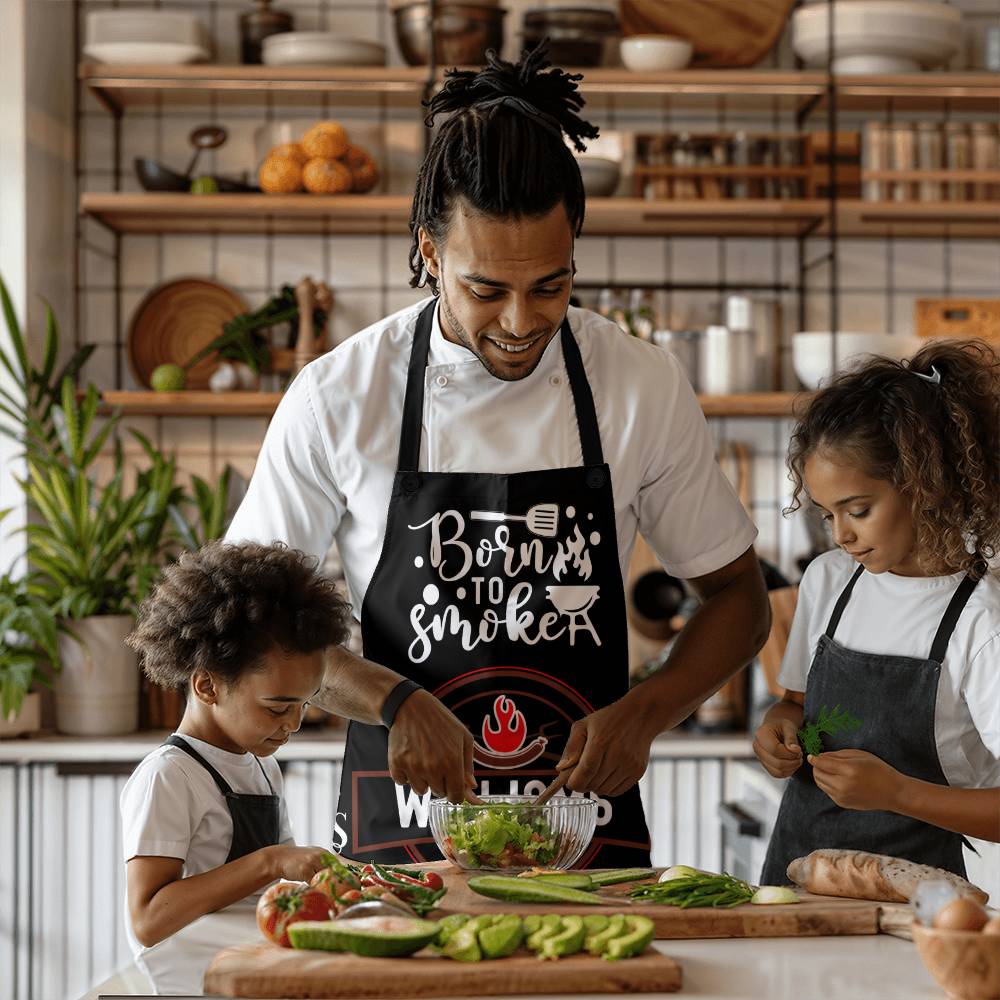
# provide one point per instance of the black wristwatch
(395, 698)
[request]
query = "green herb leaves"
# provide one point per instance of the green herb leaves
(829, 722)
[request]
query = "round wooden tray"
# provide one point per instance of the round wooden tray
(175, 321)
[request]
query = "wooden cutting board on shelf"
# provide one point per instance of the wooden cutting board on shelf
(266, 971)
(814, 916)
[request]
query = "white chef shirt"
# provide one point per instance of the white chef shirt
(326, 467)
(899, 615)
(172, 808)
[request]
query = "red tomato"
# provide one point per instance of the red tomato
(327, 882)
(286, 903)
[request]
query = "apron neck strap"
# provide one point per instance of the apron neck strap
(176, 741)
(838, 609)
(955, 608)
(413, 402)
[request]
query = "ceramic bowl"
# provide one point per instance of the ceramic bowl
(965, 964)
(320, 48)
(655, 53)
(878, 36)
(600, 176)
(161, 37)
(508, 834)
(813, 358)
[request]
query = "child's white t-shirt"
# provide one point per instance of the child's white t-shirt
(172, 808)
(899, 615)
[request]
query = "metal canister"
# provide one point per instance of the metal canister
(739, 156)
(728, 363)
(929, 157)
(985, 156)
(683, 345)
(875, 154)
(902, 156)
(958, 153)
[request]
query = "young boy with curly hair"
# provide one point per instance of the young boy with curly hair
(241, 629)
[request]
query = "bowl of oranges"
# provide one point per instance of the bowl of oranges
(322, 161)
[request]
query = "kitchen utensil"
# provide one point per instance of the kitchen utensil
(256, 25)
(320, 48)
(558, 782)
(724, 33)
(655, 53)
(684, 346)
(576, 34)
(728, 361)
(146, 36)
(462, 32)
(202, 138)
(878, 36)
(813, 352)
(262, 970)
(542, 519)
(373, 908)
(571, 819)
(969, 318)
(600, 175)
(965, 964)
(176, 320)
(155, 176)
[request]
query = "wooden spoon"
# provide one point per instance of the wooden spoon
(561, 778)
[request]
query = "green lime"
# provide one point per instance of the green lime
(167, 378)
(204, 185)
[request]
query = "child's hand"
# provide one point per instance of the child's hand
(777, 747)
(856, 779)
(296, 864)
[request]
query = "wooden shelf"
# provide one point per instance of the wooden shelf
(192, 403)
(879, 219)
(121, 86)
(374, 214)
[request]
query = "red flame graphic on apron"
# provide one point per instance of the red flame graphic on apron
(511, 728)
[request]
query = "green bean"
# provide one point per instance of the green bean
(701, 890)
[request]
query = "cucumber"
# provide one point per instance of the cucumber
(530, 890)
(374, 937)
(571, 880)
(619, 875)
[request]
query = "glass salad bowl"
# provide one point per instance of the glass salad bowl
(509, 834)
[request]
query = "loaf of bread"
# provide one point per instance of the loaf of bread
(860, 875)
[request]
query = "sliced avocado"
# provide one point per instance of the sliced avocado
(464, 945)
(531, 923)
(502, 938)
(374, 937)
(551, 924)
(615, 928)
(594, 923)
(567, 942)
(637, 939)
(448, 925)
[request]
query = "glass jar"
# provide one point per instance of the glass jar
(902, 153)
(958, 154)
(875, 154)
(929, 157)
(985, 156)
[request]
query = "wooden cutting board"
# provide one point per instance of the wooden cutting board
(265, 970)
(815, 916)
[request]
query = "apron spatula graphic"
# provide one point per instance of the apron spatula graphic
(542, 519)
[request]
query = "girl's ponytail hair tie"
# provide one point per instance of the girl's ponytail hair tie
(935, 376)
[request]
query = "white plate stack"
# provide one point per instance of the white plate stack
(320, 48)
(157, 37)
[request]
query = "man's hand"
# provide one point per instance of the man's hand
(777, 747)
(296, 864)
(430, 748)
(856, 779)
(607, 750)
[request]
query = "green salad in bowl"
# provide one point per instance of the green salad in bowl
(508, 833)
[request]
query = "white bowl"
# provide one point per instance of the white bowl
(655, 53)
(320, 48)
(600, 175)
(147, 36)
(814, 360)
(884, 36)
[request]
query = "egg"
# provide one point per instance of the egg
(992, 926)
(962, 914)
(931, 896)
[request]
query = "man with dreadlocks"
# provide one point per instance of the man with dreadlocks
(483, 460)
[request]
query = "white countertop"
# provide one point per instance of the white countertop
(309, 744)
(835, 968)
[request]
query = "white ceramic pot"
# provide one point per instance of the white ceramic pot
(97, 690)
(27, 720)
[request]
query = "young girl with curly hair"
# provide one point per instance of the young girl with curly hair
(241, 629)
(899, 626)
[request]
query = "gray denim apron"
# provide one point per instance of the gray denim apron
(894, 697)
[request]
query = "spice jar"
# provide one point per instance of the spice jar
(256, 25)
(739, 156)
(876, 157)
(985, 156)
(958, 153)
(929, 157)
(902, 153)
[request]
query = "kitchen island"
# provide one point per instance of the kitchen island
(837, 968)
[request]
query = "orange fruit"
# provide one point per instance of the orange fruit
(280, 175)
(364, 172)
(326, 141)
(322, 176)
(291, 151)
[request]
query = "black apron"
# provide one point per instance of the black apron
(894, 697)
(256, 818)
(502, 595)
